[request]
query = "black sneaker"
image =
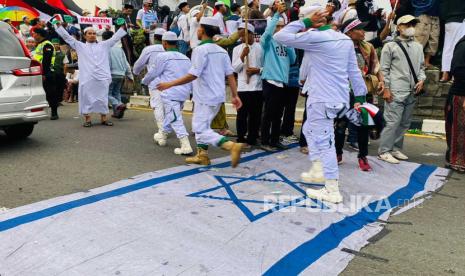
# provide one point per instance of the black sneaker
(54, 117)
(280, 146)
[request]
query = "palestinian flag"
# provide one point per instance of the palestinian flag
(368, 112)
(45, 8)
(59, 5)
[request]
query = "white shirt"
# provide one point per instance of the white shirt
(219, 16)
(210, 64)
(194, 40)
(333, 62)
(169, 66)
(147, 59)
(255, 60)
(183, 25)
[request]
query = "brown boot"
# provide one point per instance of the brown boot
(201, 158)
(235, 149)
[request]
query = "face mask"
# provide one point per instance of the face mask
(409, 32)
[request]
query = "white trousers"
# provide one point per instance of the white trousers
(319, 133)
(157, 105)
(173, 118)
(201, 124)
(454, 32)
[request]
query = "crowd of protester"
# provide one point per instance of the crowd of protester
(393, 50)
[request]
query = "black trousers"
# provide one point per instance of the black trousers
(302, 140)
(290, 103)
(340, 137)
(274, 99)
(51, 94)
(249, 116)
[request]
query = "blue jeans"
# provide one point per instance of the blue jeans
(114, 93)
(183, 47)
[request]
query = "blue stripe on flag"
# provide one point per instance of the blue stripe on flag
(309, 252)
(31, 217)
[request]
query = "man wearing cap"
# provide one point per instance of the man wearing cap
(368, 63)
(169, 66)
(45, 54)
(332, 70)
(183, 25)
(147, 19)
(275, 76)
(221, 11)
(94, 71)
(195, 24)
(401, 88)
(249, 86)
(210, 66)
(31, 45)
(147, 60)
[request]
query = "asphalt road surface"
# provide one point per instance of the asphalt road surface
(61, 157)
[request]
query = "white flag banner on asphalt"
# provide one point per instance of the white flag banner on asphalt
(212, 220)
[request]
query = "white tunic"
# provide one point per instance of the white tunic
(147, 58)
(183, 25)
(219, 16)
(194, 26)
(333, 65)
(210, 64)
(169, 66)
(94, 71)
(255, 61)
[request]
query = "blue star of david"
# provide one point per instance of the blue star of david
(240, 203)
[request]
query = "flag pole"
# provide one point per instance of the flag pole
(246, 30)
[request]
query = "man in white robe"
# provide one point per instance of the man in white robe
(94, 71)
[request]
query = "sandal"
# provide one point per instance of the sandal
(87, 124)
(107, 123)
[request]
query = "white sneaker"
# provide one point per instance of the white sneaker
(185, 148)
(315, 174)
(387, 157)
(399, 155)
(330, 193)
(160, 138)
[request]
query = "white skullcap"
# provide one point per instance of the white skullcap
(195, 12)
(89, 29)
(30, 39)
(306, 11)
(210, 21)
(159, 31)
(219, 3)
(169, 36)
(250, 27)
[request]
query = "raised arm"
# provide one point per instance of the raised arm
(268, 34)
(290, 36)
(116, 38)
(72, 42)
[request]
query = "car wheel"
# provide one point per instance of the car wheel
(19, 131)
